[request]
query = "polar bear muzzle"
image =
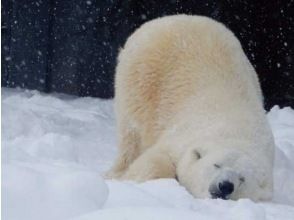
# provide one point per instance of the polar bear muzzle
(223, 190)
(225, 184)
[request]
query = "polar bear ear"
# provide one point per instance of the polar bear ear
(198, 155)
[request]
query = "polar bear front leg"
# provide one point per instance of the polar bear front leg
(128, 151)
(153, 164)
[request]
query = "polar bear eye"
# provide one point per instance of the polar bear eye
(217, 166)
(198, 155)
(242, 179)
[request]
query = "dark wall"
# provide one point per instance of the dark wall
(70, 46)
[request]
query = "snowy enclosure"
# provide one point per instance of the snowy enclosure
(55, 149)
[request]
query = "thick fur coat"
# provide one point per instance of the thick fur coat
(189, 105)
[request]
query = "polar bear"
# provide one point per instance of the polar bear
(189, 106)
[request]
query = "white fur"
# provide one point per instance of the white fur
(183, 84)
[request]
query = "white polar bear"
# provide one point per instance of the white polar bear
(189, 106)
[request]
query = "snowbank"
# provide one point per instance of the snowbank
(282, 124)
(38, 192)
(55, 147)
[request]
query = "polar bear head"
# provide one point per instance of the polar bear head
(225, 173)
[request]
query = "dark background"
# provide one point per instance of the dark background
(70, 46)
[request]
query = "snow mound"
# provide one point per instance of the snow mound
(39, 193)
(282, 124)
(55, 149)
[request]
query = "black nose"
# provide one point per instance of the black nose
(225, 188)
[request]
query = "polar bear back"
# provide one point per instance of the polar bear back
(184, 65)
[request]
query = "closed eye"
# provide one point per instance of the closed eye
(198, 155)
(242, 180)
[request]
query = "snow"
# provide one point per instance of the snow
(55, 149)
(53, 192)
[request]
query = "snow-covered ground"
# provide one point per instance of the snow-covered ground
(55, 149)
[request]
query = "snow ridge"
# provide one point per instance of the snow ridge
(55, 149)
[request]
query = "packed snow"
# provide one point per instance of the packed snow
(55, 149)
